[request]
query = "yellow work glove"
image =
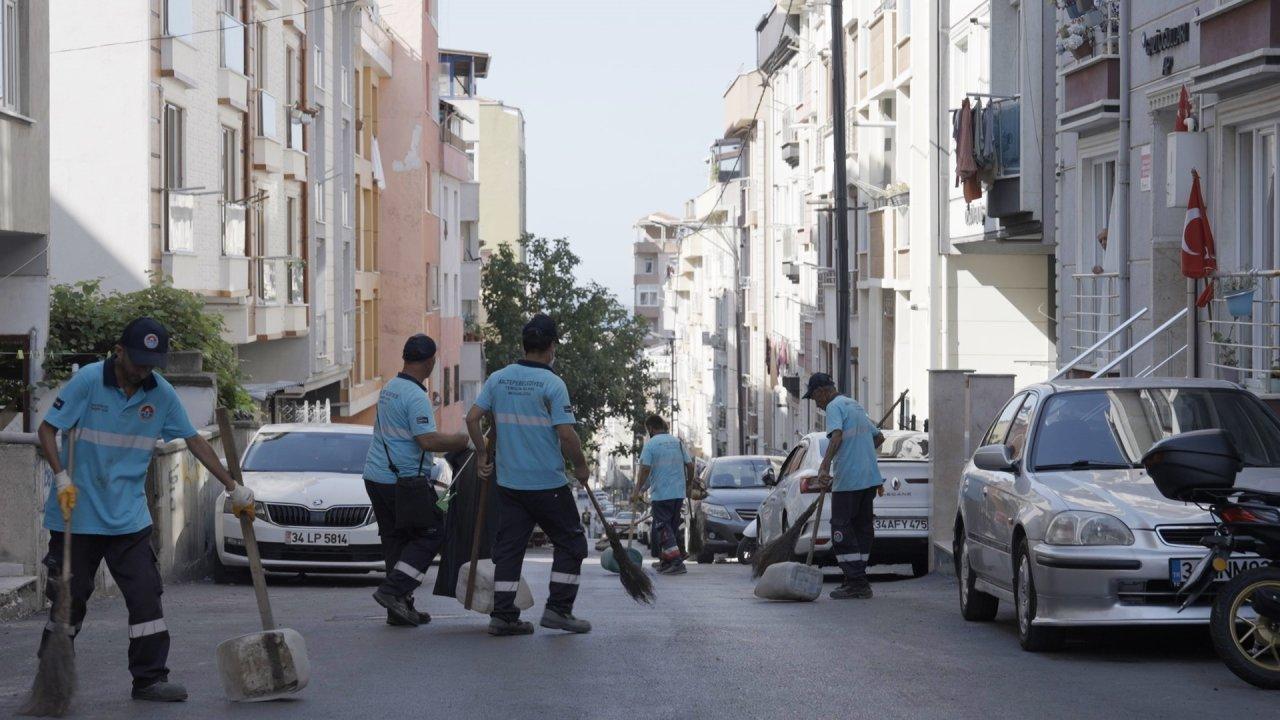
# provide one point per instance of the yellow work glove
(66, 494)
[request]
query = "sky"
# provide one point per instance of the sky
(622, 100)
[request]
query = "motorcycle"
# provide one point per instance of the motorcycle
(1244, 623)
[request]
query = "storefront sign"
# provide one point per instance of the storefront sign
(1166, 38)
(1144, 168)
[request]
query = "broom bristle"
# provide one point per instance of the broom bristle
(783, 547)
(634, 580)
(55, 680)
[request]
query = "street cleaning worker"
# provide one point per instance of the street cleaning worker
(852, 461)
(665, 466)
(535, 435)
(120, 407)
(399, 474)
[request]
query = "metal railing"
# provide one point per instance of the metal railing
(1097, 345)
(1094, 312)
(1244, 345)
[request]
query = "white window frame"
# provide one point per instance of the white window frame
(319, 65)
(13, 61)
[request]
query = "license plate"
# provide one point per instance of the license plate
(902, 523)
(1180, 568)
(314, 537)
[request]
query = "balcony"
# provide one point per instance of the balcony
(295, 165)
(472, 361)
(469, 204)
(469, 281)
(233, 228)
(1239, 46)
(295, 15)
(791, 269)
(179, 60)
(791, 153)
(179, 221)
(268, 153)
(776, 38)
(740, 102)
(1091, 94)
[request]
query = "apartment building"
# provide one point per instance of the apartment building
(1126, 169)
(229, 168)
(24, 207)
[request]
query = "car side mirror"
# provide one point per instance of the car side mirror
(769, 478)
(995, 458)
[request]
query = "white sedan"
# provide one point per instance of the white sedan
(313, 514)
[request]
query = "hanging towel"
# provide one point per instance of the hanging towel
(966, 166)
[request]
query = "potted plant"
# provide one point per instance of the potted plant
(1238, 291)
(1078, 39)
(1226, 350)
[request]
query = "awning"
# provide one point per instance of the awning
(262, 391)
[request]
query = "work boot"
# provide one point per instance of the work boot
(673, 569)
(557, 620)
(499, 627)
(397, 607)
(423, 617)
(852, 591)
(658, 565)
(163, 691)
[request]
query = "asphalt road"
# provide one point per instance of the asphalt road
(708, 649)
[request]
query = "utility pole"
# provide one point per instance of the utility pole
(841, 194)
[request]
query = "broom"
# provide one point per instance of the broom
(783, 547)
(55, 680)
(634, 581)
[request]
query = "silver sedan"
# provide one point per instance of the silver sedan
(1057, 516)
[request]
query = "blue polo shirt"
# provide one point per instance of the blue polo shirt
(404, 412)
(665, 457)
(117, 437)
(856, 465)
(528, 400)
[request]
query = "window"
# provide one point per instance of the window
(260, 57)
(1017, 438)
(457, 383)
(230, 165)
(1258, 226)
(647, 265)
(345, 202)
(1000, 428)
(178, 18)
(293, 98)
(175, 157)
(293, 237)
(319, 203)
(319, 65)
(646, 296)
(448, 388)
(233, 212)
(231, 49)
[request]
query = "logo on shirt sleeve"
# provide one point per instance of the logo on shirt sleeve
(146, 412)
(424, 420)
(568, 409)
(57, 404)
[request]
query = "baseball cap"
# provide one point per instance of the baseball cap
(418, 348)
(817, 381)
(541, 325)
(147, 342)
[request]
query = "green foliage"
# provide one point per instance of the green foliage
(85, 324)
(600, 356)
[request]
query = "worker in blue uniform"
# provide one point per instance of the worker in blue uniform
(665, 469)
(399, 475)
(535, 436)
(851, 468)
(118, 408)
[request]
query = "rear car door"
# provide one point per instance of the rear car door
(975, 493)
(1003, 498)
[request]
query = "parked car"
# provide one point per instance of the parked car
(313, 514)
(901, 514)
(735, 486)
(1057, 516)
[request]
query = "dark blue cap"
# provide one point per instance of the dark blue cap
(817, 381)
(147, 342)
(418, 348)
(541, 326)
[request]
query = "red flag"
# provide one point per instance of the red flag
(1199, 256)
(1184, 111)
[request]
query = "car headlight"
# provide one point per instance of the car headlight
(715, 511)
(259, 509)
(1078, 527)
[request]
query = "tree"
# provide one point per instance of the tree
(600, 356)
(85, 324)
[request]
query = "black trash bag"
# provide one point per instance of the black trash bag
(459, 522)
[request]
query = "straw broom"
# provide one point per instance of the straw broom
(634, 581)
(783, 547)
(55, 680)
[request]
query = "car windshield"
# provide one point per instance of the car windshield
(898, 445)
(740, 472)
(308, 452)
(1117, 427)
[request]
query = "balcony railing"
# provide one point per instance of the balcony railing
(1095, 312)
(232, 45)
(1245, 348)
(233, 227)
(180, 221)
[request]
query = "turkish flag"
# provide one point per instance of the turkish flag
(1199, 257)
(1184, 111)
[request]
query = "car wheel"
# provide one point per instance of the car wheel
(920, 566)
(1031, 637)
(975, 605)
(225, 575)
(746, 550)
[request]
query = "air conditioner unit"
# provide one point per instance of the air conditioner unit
(791, 269)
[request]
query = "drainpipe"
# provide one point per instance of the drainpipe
(1122, 181)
